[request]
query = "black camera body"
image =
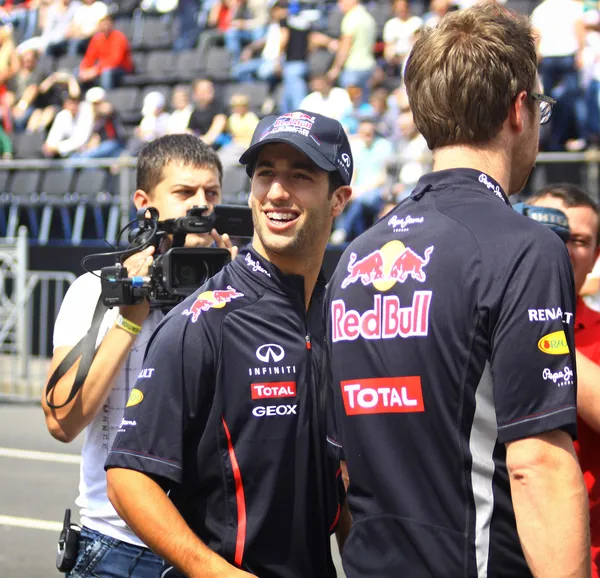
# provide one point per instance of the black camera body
(180, 270)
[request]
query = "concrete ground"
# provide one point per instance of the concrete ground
(39, 477)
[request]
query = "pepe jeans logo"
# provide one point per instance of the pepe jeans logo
(256, 266)
(495, 188)
(401, 225)
(559, 378)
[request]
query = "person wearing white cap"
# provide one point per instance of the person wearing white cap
(107, 138)
(85, 23)
(71, 129)
(88, 129)
(154, 123)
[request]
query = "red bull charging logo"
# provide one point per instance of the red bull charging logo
(209, 299)
(383, 268)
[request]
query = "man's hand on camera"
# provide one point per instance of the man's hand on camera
(138, 265)
(224, 242)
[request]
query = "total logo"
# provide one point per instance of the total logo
(273, 389)
(383, 395)
(271, 353)
(209, 299)
(383, 268)
(386, 320)
(554, 343)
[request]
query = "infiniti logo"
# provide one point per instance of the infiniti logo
(270, 352)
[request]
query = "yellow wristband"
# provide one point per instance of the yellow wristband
(129, 326)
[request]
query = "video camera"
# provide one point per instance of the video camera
(552, 218)
(180, 270)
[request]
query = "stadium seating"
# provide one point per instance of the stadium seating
(81, 205)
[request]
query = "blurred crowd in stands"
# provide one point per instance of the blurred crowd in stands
(92, 79)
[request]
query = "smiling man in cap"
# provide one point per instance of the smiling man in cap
(300, 165)
(229, 414)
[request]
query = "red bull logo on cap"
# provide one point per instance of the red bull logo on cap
(209, 299)
(383, 268)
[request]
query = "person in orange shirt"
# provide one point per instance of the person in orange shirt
(583, 215)
(107, 58)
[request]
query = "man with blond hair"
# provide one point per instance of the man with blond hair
(453, 369)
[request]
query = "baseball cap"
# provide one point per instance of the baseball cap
(320, 138)
(153, 101)
(95, 95)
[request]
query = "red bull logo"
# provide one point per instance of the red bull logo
(209, 299)
(383, 268)
(299, 115)
(387, 320)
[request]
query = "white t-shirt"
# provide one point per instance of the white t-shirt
(401, 32)
(153, 127)
(73, 322)
(336, 104)
(272, 47)
(179, 120)
(87, 16)
(68, 134)
(591, 58)
(555, 20)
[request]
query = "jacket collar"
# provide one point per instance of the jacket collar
(469, 179)
(263, 272)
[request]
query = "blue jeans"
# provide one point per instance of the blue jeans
(77, 46)
(186, 16)
(294, 84)
(592, 109)
(234, 37)
(359, 214)
(561, 81)
(106, 149)
(101, 556)
(111, 78)
(245, 71)
(358, 78)
(26, 20)
(20, 124)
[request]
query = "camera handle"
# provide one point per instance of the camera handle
(86, 349)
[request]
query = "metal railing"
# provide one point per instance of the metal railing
(30, 300)
(589, 162)
(24, 337)
(122, 169)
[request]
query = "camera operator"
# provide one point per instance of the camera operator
(582, 214)
(455, 406)
(174, 173)
(230, 418)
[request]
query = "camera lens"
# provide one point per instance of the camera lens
(190, 272)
